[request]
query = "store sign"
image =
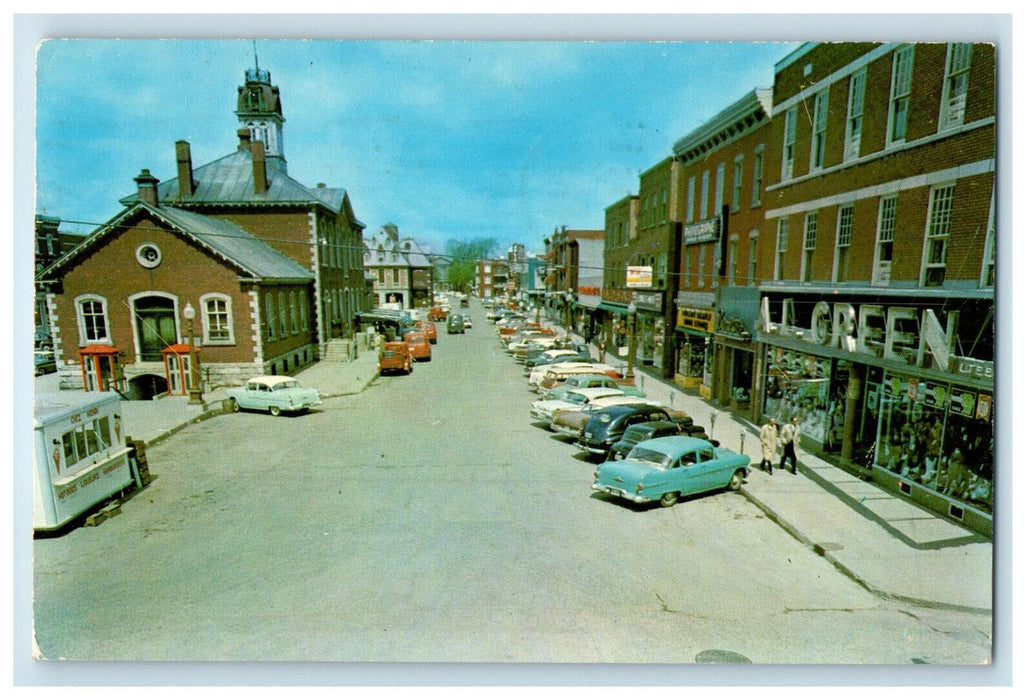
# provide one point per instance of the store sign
(702, 231)
(696, 319)
(639, 276)
(903, 334)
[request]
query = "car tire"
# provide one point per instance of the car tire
(669, 499)
(736, 483)
(274, 410)
(234, 406)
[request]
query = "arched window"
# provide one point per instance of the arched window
(303, 303)
(294, 312)
(283, 314)
(92, 316)
(270, 316)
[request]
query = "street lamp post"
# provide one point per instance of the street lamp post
(631, 341)
(570, 311)
(195, 370)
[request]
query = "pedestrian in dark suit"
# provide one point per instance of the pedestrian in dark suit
(790, 439)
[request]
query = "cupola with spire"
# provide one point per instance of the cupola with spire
(260, 112)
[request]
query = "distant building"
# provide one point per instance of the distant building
(402, 271)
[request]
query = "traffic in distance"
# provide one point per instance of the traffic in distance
(646, 451)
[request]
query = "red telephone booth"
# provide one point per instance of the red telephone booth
(177, 368)
(101, 368)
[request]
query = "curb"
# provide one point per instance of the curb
(796, 534)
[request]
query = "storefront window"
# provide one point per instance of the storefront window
(796, 384)
(938, 436)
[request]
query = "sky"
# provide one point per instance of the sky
(447, 139)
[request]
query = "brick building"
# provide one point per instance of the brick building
(720, 196)
(876, 264)
(272, 268)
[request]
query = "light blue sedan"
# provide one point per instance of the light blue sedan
(273, 393)
(667, 468)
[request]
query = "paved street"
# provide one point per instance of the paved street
(427, 519)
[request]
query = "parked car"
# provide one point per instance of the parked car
(667, 468)
(395, 357)
(600, 404)
(274, 393)
(429, 330)
(640, 432)
(568, 400)
(455, 324)
(45, 363)
(585, 381)
(419, 346)
(436, 313)
(554, 355)
(604, 428)
(557, 374)
(467, 321)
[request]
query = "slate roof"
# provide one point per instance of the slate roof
(230, 180)
(226, 240)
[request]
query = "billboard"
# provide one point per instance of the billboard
(639, 276)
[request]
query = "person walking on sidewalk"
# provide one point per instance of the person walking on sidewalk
(768, 445)
(790, 439)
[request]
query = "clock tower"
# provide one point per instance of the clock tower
(259, 111)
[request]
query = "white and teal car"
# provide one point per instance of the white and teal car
(273, 393)
(591, 381)
(665, 469)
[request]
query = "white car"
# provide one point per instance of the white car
(569, 400)
(273, 393)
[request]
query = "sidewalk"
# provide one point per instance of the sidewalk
(892, 547)
(154, 421)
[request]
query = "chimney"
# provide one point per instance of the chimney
(245, 139)
(184, 169)
(147, 187)
(258, 166)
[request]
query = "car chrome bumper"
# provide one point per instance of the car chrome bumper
(620, 493)
(565, 431)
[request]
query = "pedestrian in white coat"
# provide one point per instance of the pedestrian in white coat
(768, 445)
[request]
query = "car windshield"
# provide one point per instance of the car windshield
(289, 384)
(651, 457)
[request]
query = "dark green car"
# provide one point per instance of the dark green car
(455, 324)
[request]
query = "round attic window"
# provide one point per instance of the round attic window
(148, 255)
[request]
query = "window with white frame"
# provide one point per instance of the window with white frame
(270, 316)
(733, 259)
(690, 200)
(821, 112)
(789, 143)
(810, 241)
(883, 266)
(758, 177)
(844, 236)
(781, 246)
(294, 311)
(663, 205)
(282, 299)
(719, 189)
(303, 309)
(900, 94)
(704, 194)
(855, 113)
(737, 183)
(92, 312)
(218, 319)
(955, 85)
(934, 260)
(751, 261)
(701, 272)
(989, 251)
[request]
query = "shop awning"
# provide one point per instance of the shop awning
(612, 308)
